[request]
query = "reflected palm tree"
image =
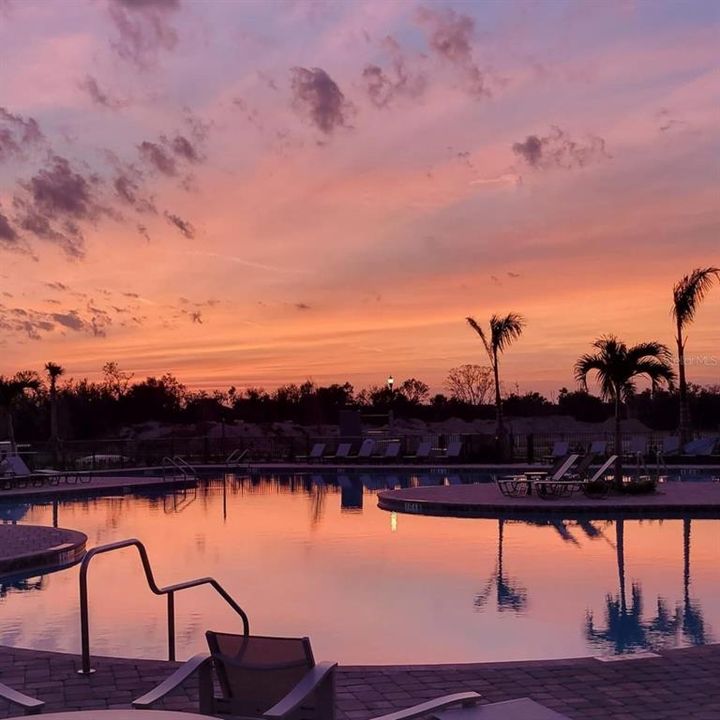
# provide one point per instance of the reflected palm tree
(509, 595)
(693, 623)
(625, 631)
(318, 494)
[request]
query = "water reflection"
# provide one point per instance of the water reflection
(445, 590)
(509, 594)
(625, 629)
(693, 622)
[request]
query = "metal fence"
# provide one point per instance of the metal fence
(478, 448)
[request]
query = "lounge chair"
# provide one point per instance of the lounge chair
(563, 488)
(598, 447)
(670, 445)
(560, 449)
(342, 452)
(270, 678)
(518, 709)
(424, 449)
(453, 450)
(316, 453)
(520, 485)
(581, 469)
(392, 451)
(29, 705)
(366, 450)
(701, 446)
(638, 447)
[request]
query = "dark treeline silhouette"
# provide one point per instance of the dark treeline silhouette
(35, 407)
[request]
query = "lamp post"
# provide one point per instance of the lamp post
(390, 382)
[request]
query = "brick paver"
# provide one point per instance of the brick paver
(678, 685)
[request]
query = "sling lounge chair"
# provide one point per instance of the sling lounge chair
(424, 449)
(342, 452)
(366, 450)
(270, 678)
(520, 485)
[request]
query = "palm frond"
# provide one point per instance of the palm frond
(476, 327)
(690, 291)
(505, 329)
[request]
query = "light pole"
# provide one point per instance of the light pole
(390, 382)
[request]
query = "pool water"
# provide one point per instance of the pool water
(311, 554)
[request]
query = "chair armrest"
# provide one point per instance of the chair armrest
(30, 705)
(310, 683)
(467, 699)
(144, 702)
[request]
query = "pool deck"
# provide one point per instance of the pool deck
(93, 485)
(679, 684)
(674, 499)
(34, 548)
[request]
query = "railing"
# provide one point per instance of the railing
(169, 590)
(179, 464)
(235, 457)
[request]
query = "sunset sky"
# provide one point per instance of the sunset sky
(255, 193)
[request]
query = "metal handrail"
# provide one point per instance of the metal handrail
(183, 463)
(168, 590)
(235, 457)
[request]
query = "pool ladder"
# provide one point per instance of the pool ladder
(169, 591)
(179, 464)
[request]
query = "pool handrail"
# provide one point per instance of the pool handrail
(168, 590)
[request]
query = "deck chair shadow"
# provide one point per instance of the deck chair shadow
(271, 678)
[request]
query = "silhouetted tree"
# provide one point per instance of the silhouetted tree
(581, 405)
(414, 391)
(617, 367)
(469, 383)
(11, 390)
(54, 371)
(688, 293)
(503, 331)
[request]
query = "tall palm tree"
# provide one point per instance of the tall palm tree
(11, 390)
(617, 367)
(503, 330)
(688, 293)
(54, 371)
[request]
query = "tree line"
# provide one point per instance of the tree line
(38, 406)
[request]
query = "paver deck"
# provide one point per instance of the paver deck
(25, 548)
(672, 499)
(678, 685)
(94, 484)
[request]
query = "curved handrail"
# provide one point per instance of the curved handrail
(168, 590)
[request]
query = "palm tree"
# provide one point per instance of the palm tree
(54, 371)
(617, 367)
(503, 330)
(11, 390)
(687, 296)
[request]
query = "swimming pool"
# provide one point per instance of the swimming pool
(312, 554)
